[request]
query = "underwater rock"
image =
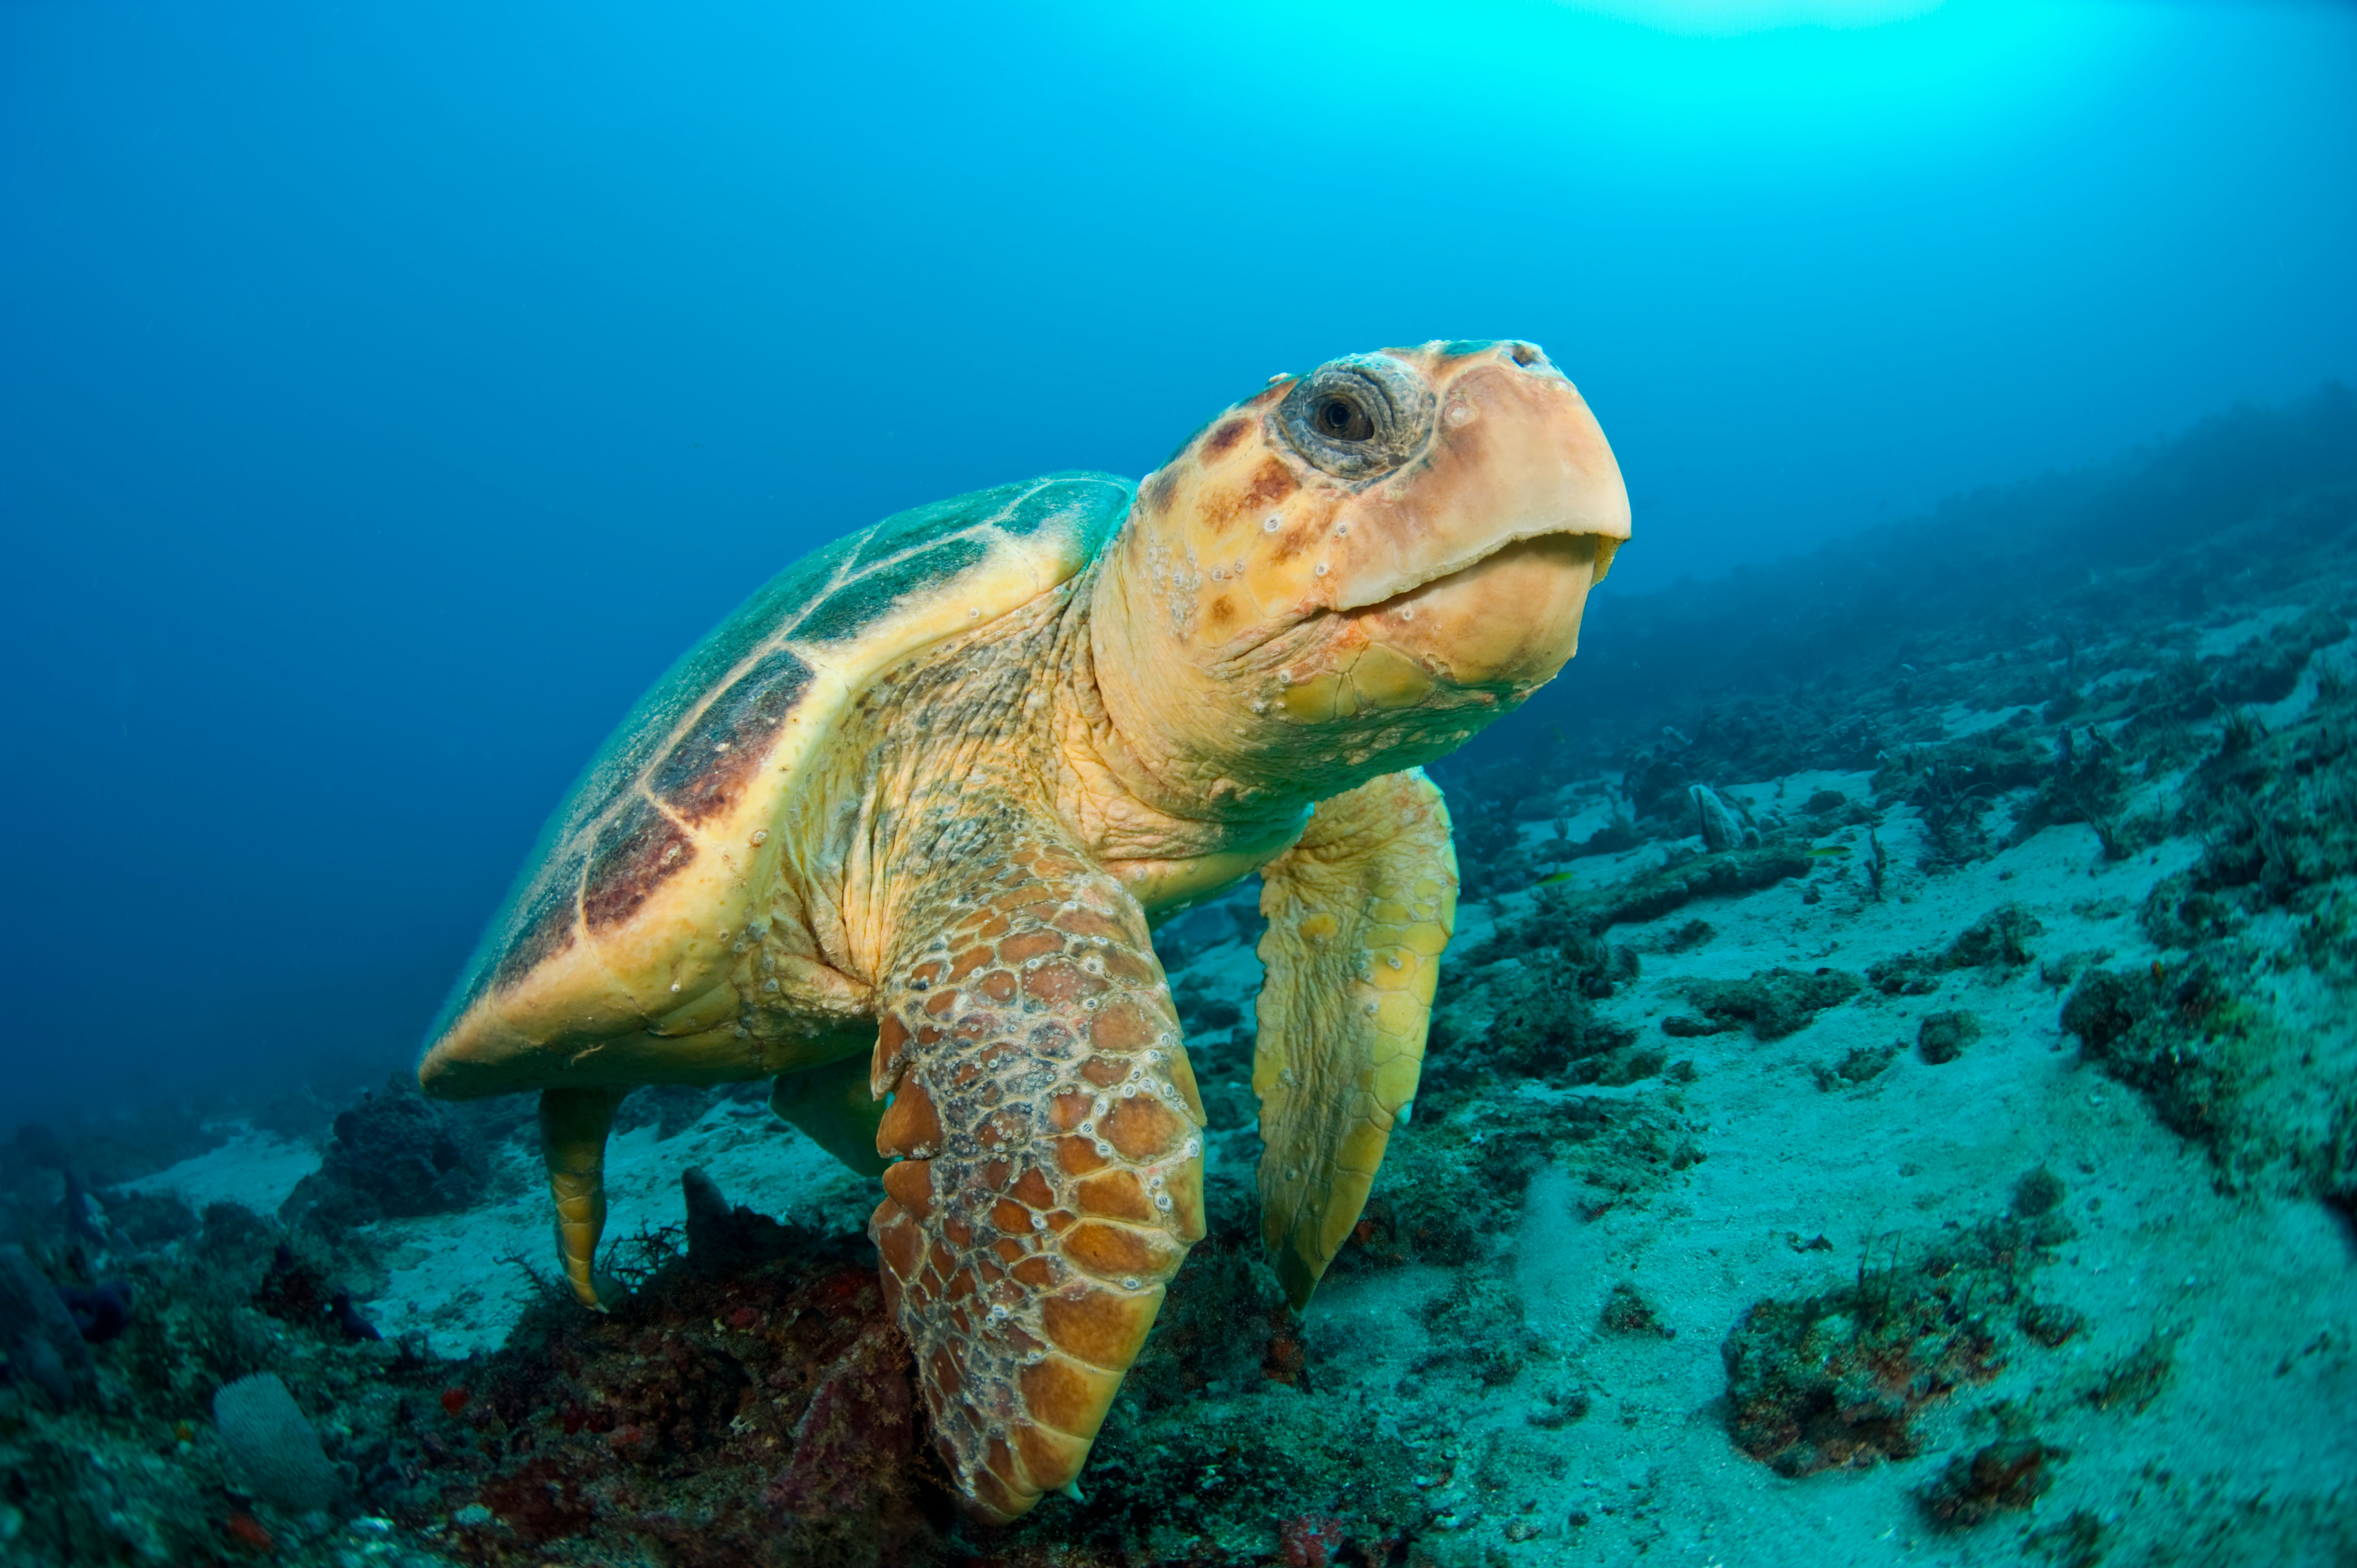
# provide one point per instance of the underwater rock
(2173, 1036)
(273, 1445)
(2040, 1191)
(1942, 1036)
(1559, 918)
(45, 1349)
(100, 1312)
(1720, 832)
(393, 1155)
(1998, 1477)
(720, 1237)
(348, 1318)
(1858, 1064)
(1997, 943)
(81, 1215)
(1627, 1312)
(857, 1433)
(1774, 1002)
(1838, 1378)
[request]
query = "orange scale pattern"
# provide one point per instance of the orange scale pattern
(1050, 1174)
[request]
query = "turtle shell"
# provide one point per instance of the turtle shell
(626, 913)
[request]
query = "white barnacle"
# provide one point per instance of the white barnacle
(1038, 1223)
(1191, 1148)
(1101, 1105)
(1129, 1283)
(1162, 1201)
(674, 986)
(1393, 960)
(1321, 568)
(1129, 1091)
(1270, 523)
(972, 613)
(769, 984)
(1104, 1150)
(1368, 1008)
(760, 837)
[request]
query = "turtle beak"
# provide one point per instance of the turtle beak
(1476, 559)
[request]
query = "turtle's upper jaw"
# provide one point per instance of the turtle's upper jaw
(1474, 554)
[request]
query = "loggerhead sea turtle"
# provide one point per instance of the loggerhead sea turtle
(895, 832)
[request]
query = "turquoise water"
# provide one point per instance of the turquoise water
(1888, 1089)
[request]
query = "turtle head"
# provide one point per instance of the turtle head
(1361, 566)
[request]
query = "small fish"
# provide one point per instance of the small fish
(1558, 876)
(1831, 852)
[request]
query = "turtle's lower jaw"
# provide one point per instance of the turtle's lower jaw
(1510, 619)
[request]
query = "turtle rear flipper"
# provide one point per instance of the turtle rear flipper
(1051, 1178)
(574, 1122)
(1358, 914)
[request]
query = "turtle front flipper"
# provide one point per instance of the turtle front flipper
(1051, 1178)
(1358, 911)
(573, 1127)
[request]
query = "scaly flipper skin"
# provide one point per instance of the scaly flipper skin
(573, 1127)
(1051, 1177)
(1358, 914)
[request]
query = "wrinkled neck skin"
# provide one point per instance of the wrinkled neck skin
(1021, 709)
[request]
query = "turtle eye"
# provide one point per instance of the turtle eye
(1357, 418)
(1339, 419)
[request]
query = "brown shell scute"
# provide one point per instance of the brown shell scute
(547, 927)
(636, 852)
(703, 774)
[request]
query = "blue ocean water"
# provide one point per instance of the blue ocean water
(388, 395)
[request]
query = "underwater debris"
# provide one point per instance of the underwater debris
(274, 1445)
(1998, 1477)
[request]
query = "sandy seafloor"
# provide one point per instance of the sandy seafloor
(2249, 1443)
